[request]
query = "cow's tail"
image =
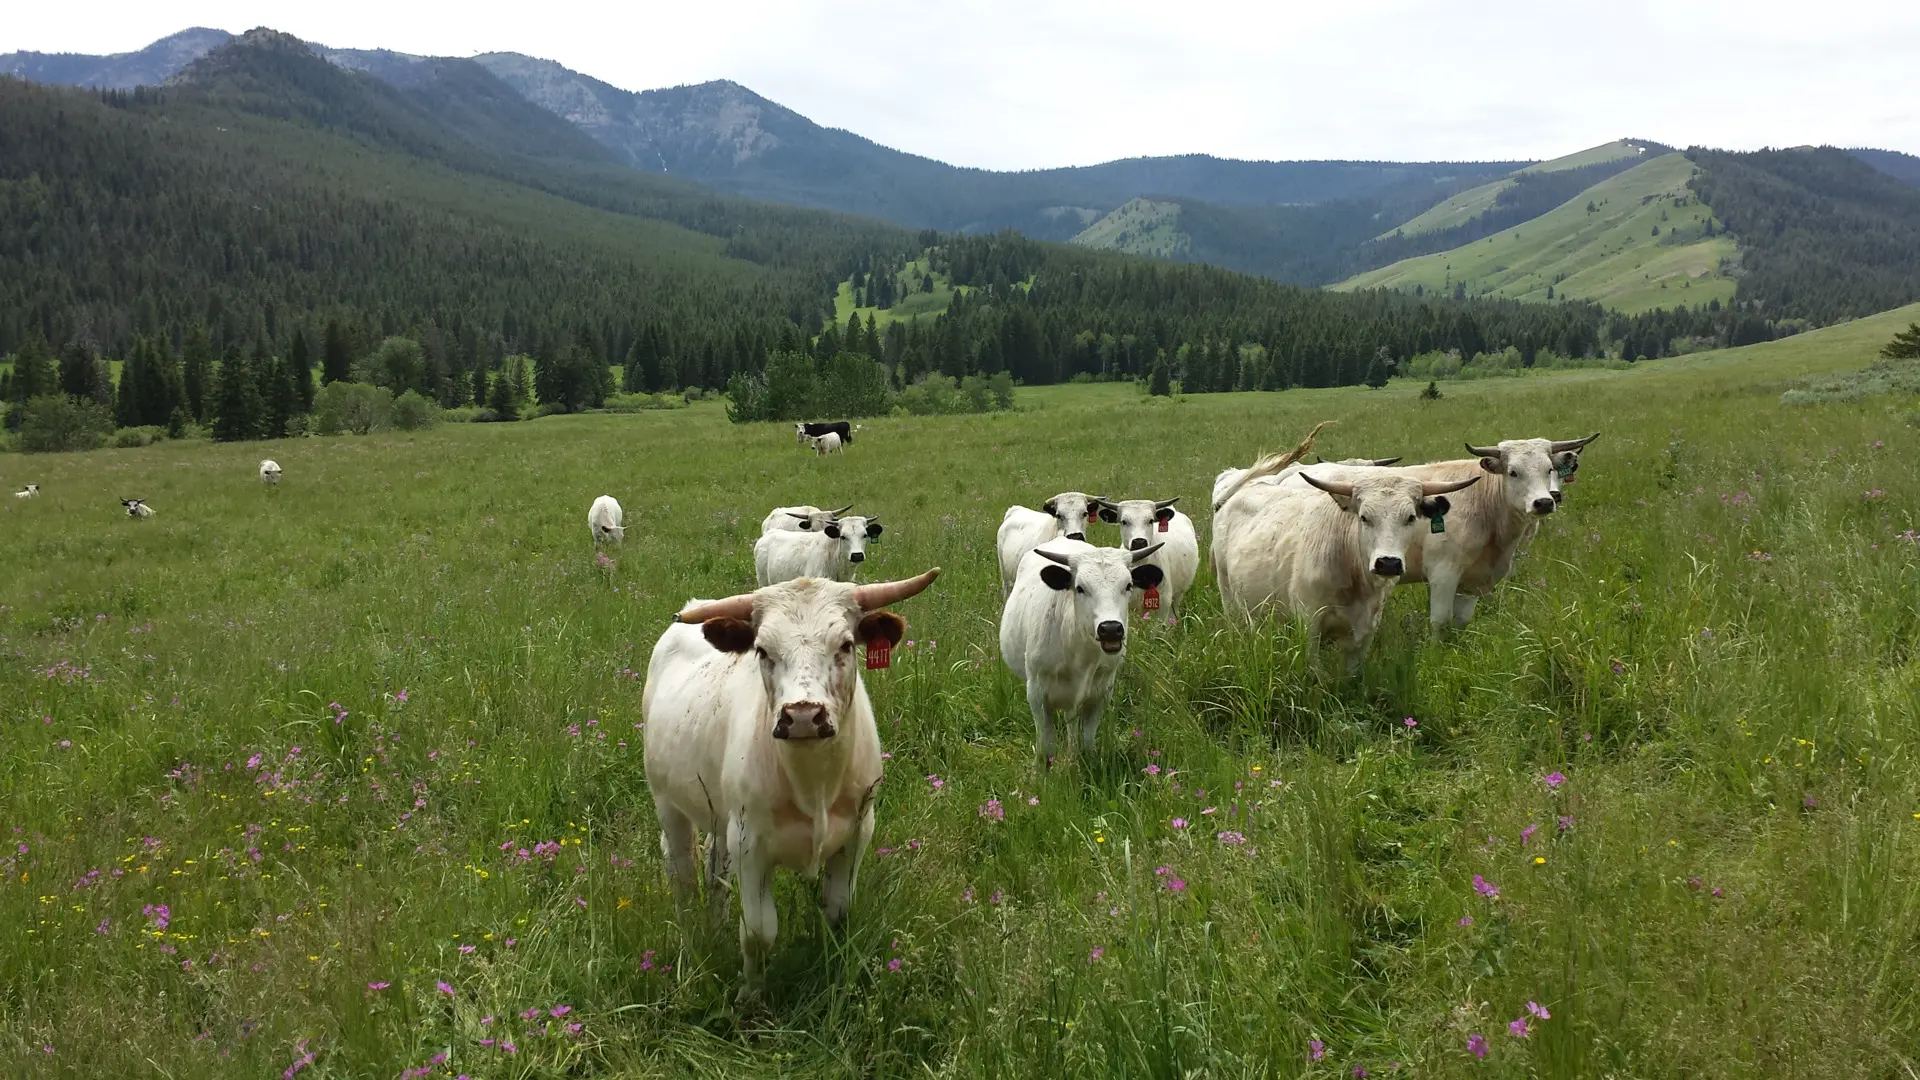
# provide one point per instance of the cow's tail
(1271, 464)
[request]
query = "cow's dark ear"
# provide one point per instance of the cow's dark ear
(728, 635)
(1492, 465)
(1050, 507)
(1147, 575)
(881, 626)
(805, 524)
(1434, 507)
(833, 531)
(1165, 513)
(874, 529)
(1056, 576)
(1109, 515)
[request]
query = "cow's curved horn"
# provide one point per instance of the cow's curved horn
(1483, 451)
(1433, 487)
(1164, 503)
(881, 593)
(1383, 462)
(1146, 552)
(1053, 556)
(842, 510)
(802, 517)
(733, 607)
(1332, 487)
(1561, 446)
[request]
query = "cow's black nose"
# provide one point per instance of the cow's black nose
(1111, 631)
(1077, 536)
(1388, 566)
(1544, 505)
(858, 556)
(1137, 543)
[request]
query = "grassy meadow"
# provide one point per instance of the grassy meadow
(1610, 256)
(343, 778)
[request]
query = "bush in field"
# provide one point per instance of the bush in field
(1904, 346)
(144, 435)
(413, 411)
(631, 403)
(793, 386)
(53, 423)
(352, 408)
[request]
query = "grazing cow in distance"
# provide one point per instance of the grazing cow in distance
(269, 472)
(28, 492)
(1022, 530)
(137, 508)
(834, 552)
(1225, 481)
(804, 432)
(603, 520)
(1488, 525)
(1144, 521)
(800, 519)
(1063, 631)
(827, 444)
(1329, 555)
(759, 733)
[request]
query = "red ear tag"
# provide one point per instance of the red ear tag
(1163, 524)
(879, 654)
(1151, 601)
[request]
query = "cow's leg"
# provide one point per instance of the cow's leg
(1090, 726)
(1442, 588)
(717, 877)
(843, 869)
(1042, 722)
(759, 919)
(1463, 610)
(676, 843)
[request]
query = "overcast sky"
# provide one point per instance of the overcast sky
(1036, 83)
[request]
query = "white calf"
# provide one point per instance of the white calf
(833, 553)
(269, 472)
(826, 444)
(137, 508)
(1064, 631)
(604, 518)
(27, 492)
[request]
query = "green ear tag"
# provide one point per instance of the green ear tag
(1565, 469)
(1437, 523)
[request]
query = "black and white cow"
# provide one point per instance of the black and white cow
(802, 432)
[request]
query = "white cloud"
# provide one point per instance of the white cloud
(1053, 82)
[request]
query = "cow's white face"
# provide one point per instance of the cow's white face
(1072, 509)
(853, 533)
(1098, 581)
(1389, 512)
(802, 636)
(616, 533)
(800, 434)
(1139, 520)
(1532, 483)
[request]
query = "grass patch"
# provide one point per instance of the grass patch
(270, 758)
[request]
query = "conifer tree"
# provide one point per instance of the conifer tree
(501, 400)
(336, 361)
(196, 374)
(127, 406)
(236, 400)
(479, 383)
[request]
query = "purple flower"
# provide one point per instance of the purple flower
(1555, 779)
(1526, 834)
(1565, 822)
(465, 949)
(401, 697)
(559, 1011)
(1411, 722)
(1360, 1071)
(530, 1013)
(1538, 1010)
(1316, 1050)
(443, 986)
(1179, 823)
(1485, 888)
(1477, 1045)
(935, 780)
(1176, 885)
(1033, 801)
(993, 811)
(1466, 920)
(1519, 1029)
(893, 964)
(1098, 952)
(1153, 770)
(378, 985)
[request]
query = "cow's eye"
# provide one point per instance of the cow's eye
(761, 653)
(1513, 472)
(1409, 520)
(1080, 589)
(1365, 520)
(846, 646)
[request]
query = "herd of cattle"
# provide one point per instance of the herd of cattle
(138, 508)
(758, 729)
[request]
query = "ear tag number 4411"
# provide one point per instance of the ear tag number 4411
(879, 654)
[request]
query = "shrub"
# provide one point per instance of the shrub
(144, 435)
(1432, 392)
(56, 423)
(630, 403)
(353, 408)
(413, 411)
(547, 408)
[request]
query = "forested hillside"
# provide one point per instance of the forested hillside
(1823, 235)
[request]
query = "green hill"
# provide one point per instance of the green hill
(1636, 241)
(1139, 227)
(1461, 208)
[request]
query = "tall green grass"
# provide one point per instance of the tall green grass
(1712, 644)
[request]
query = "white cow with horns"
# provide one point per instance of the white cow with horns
(1177, 550)
(834, 552)
(1488, 525)
(759, 733)
(137, 508)
(28, 492)
(1022, 529)
(1064, 631)
(1330, 555)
